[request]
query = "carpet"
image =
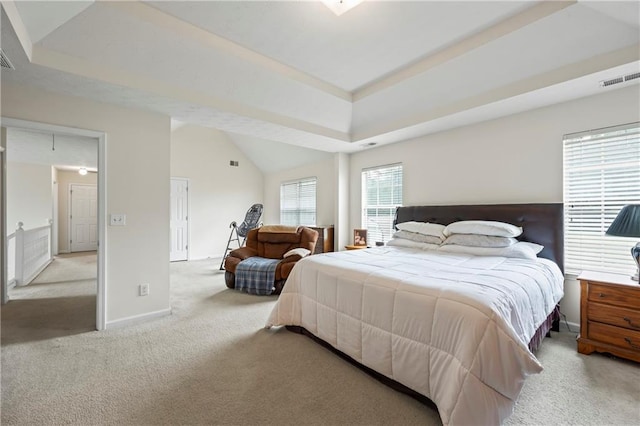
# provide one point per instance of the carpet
(212, 362)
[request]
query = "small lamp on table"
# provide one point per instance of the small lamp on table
(627, 224)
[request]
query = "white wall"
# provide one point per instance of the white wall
(137, 182)
(218, 193)
(508, 160)
(65, 179)
(325, 191)
(514, 159)
(28, 195)
(342, 234)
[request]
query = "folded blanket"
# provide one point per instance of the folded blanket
(281, 229)
(256, 275)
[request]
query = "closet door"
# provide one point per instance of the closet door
(84, 217)
(179, 219)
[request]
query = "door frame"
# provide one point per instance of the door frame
(4, 276)
(54, 213)
(101, 295)
(188, 213)
(69, 209)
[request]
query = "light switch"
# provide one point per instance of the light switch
(118, 219)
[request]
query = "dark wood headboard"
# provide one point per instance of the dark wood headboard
(541, 223)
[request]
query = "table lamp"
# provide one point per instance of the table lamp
(627, 224)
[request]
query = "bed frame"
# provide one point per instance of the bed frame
(542, 224)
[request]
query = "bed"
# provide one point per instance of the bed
(448, 327)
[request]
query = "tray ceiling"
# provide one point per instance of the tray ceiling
(295, 73)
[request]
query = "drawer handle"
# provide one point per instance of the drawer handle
(631, 324)
(626, 339)
(602, 295)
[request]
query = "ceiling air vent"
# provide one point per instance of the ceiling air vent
(621, 79)
(632, 76)
(605, 83)
(6, 63)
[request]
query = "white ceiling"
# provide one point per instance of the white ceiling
(276, 74)
(65, 152)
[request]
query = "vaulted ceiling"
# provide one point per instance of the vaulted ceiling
(274, 74)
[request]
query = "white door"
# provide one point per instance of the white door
(4, 288)
(83, 223)
(179, 219)
(54, 227)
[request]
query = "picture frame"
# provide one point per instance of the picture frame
(359, 237)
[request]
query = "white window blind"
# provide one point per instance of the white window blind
(601, 175)
(381, 195)
(298, 202)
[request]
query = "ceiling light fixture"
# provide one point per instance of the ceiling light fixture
(82, 171)
(341, 6)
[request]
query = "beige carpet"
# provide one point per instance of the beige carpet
(60, 301)
(212, 362)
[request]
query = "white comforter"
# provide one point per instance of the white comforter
(452, 327)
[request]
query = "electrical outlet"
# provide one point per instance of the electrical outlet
(118, 219)
(144, 289)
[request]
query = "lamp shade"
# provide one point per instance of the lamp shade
(627, 223)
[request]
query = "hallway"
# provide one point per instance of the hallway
(61, 301)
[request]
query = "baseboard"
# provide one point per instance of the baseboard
(573, 327)
(64, 251)
(125, 322)
(217, 259)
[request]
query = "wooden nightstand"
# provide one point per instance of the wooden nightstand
(609, 315)
(354, 247)
(325, 239)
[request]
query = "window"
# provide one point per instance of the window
(381, 195)
(601, 175)
(298, 202)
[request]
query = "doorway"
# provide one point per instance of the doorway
(99, 205)
(179, 223)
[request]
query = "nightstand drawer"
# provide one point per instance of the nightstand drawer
(620, 296)
(620, 337)
(608, 314)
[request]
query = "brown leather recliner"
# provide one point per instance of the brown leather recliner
(271, 242)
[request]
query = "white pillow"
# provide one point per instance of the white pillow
(537, 248)
(483, 227)
(518, 250)
(475, 240)
(401, 242)
(302, 252)
(414, 236)
(425, 228)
